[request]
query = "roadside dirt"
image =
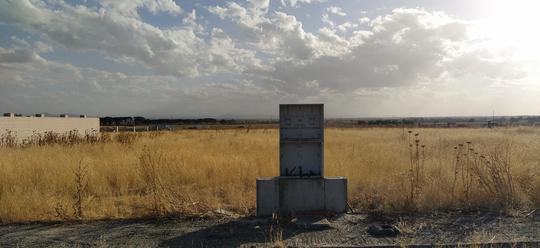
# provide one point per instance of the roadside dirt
(343, 230)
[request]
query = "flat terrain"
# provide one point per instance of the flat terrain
(348, 230)
(98, 192)
(189, 172)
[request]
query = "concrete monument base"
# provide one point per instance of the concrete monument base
(297, 195)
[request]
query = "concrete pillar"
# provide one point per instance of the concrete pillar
(301, 187)
(299, 196)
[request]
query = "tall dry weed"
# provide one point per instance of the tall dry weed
(416, 177)
(198, 171)
(150, 161)
(485, 176)
(81, 189)
(125, 138)
(70, 138)
(8, 139)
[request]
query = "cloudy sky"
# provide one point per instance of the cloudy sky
(362, 58)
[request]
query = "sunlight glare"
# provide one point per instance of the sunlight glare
(515, 24)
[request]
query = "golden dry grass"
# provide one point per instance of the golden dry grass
(195, 171)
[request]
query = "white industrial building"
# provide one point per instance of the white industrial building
(22, 127)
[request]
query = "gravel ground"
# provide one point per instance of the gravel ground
(227, 231)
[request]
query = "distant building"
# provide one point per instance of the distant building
(23, 127)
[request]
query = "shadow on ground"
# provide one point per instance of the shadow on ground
(344, 230)
(242, 232)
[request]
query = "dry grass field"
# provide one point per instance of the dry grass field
(196, 171)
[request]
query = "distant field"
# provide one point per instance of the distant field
(196, 171)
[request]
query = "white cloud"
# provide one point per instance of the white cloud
(17, 56)
(266, 56)
(22, 52)
(336, 10)
(249, 17)
(260, 4)
(326, 20)
(231, 10)
(31, 86)
(364, 20)
(293, 3)
(115, 31)
(279, 34)
(346, 26)
(224, 53)
(131, 7)
(402, 49)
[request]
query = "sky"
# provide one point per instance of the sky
(361, 58)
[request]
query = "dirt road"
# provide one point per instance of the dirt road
(348, 230)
